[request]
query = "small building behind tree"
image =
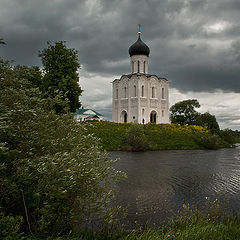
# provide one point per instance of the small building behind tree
(82, 115)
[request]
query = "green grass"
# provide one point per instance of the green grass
(159, 136)
(212, 223)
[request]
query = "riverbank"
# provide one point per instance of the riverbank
(114, 136)
(192, 224)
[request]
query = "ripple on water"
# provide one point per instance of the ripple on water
(161, 181)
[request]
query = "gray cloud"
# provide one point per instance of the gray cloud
(193, 43)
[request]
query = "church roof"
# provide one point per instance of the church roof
(89, 112)
(139, 48)
(144, 74)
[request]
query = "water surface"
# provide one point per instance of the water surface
(162, 181)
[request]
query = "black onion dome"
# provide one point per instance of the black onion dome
(139, 48)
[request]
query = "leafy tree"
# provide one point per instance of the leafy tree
(52, 174)
(209, 122)
(184, 112)
(60, 67)
(228, 136)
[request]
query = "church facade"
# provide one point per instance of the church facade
(140, 97)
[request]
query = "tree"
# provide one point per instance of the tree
(184, 112)
(52, 173)
(209, 122)
(228, 136)
(60, 66)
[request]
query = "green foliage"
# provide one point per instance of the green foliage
(10, 227)
(229, 136)
(113, 136)
(209, 122)
(32, 74)
(52, 173)
(60, 67)
(209, 222)
(173, 136)
(184, 112)
(210, 141)
(136, 138)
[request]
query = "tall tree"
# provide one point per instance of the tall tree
(209, 122)
(184, 112)
(60, 65)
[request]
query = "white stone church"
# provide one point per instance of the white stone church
(140, 97)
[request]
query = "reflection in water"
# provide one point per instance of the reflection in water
(162, 181)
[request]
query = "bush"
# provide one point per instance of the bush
(210, 141)
(52, 172)
(228, 136)
(10, 227)
(136, 138)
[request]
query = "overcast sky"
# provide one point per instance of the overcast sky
(193, 43)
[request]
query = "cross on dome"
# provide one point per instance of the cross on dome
(139, 47)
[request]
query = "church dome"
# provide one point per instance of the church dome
(139, 48)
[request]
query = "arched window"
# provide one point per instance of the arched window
(138, 66)
(132, 67)
(163, 95)
(142, 91)
(144, 66)
(116, 93)
(153, 92)
(162, 113)
(135, 91)
(125, 92)
(143, 112)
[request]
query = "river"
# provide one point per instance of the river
(160, 182)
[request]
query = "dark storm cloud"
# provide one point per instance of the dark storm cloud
(193, 43)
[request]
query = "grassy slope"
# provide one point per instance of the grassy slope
(159, 136)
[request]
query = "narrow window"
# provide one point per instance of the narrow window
(153, 92)
(125, 92)
(142, 91)
(132, 67)
(144, 66)
(162, 113)
(143, 111)
(138, 66)
(117, 94)
(163, 97)
(135, 91)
